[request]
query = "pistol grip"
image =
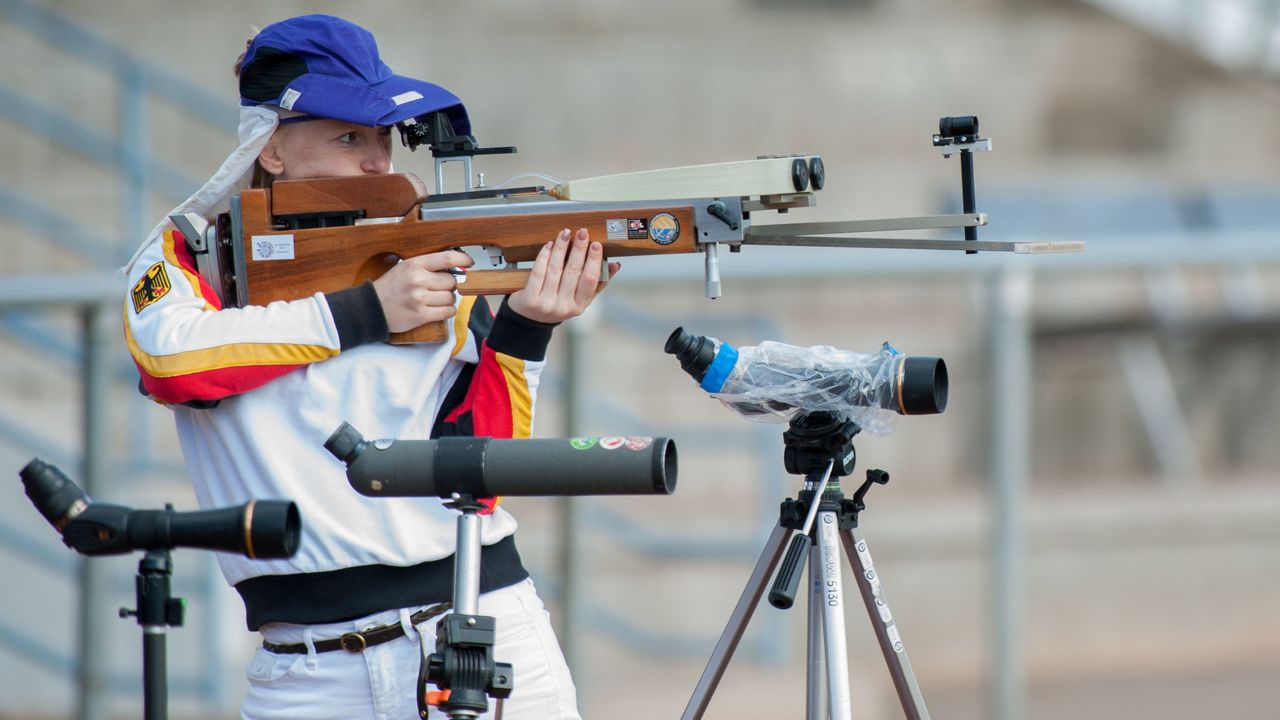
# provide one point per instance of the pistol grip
(493, 282)
(479, 282)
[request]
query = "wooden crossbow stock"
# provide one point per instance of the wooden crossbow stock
(305, 236)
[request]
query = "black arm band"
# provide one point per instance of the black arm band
(516, 335)
(358, 315)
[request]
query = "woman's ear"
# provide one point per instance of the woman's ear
(270, 158)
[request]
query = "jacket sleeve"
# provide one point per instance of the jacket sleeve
(189, 349)
(494, 395)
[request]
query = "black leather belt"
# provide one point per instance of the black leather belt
(357, 641)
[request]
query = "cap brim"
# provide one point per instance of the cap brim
(414, 98)
(391, 101)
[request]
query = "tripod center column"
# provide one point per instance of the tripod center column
(828, 593)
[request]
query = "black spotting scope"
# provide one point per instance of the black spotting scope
(487, 467)
(259, 529)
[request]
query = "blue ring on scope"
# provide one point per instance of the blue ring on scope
(719, 369)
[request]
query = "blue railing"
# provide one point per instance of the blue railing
(126, 156)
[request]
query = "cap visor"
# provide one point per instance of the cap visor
(413, 98)
(382, 104)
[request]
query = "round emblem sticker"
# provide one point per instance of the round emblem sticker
(582, 443)
(664, 228)
(612, 443)
(639, 443)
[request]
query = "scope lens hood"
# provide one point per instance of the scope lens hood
(924, 385)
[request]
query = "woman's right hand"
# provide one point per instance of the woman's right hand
(419, 290)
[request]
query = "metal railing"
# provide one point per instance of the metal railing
(126, 155)
(96, 298)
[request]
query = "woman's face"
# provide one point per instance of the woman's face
(326, 148)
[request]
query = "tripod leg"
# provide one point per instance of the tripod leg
(832, 599)
(155, 692)
(746, 606)
(815, 685)
(895, 653)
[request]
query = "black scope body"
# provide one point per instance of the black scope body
(484, 467)
(258, 529)
(917, 386)
(958, 126)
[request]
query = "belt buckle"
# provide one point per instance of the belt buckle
(353, 642)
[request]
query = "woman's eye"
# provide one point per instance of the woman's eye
(348, 138)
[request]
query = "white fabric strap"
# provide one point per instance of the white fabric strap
(307, 640)
(256, 126)
(406, 624)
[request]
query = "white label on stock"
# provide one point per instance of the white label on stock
(615, 229)
(272, 247)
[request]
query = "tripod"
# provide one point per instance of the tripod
(463, 666)
(819, 446)
(156, 611)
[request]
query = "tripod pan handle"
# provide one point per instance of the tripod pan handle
(783, 593)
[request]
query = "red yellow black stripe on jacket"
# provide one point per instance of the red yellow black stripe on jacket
(184, 363)
(190, 351)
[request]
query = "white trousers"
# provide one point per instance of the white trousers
(381, 682)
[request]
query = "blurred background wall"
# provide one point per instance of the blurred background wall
(1093, 526)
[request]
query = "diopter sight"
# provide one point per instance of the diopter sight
(959, 134)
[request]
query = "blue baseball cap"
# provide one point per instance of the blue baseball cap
(324, 66)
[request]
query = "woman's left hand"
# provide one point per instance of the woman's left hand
(564, 280)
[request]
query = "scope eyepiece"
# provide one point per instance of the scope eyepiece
(57, 498)
(695, 352)
(346, 443)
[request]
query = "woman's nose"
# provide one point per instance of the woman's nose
(377, 161)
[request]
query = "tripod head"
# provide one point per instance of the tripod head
(813, 439)
(818, 445)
